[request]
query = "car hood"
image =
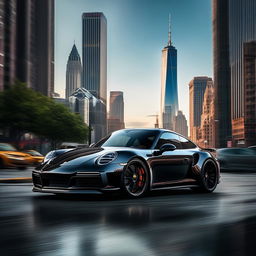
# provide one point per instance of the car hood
(74, 157)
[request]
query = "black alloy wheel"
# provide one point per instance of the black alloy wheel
(135, 178)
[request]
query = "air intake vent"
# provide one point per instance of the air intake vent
(107, 158)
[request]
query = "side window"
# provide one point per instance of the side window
(168, 138)
(186, 144)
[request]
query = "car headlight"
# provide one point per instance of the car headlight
(107, 158)
(48, 156)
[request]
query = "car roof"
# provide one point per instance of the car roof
(150, 129)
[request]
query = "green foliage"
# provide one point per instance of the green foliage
(24, 110)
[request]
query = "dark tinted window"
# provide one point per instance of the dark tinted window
(143, 139)
(186, 144)
(169, 138)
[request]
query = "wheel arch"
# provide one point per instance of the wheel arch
(147, 165)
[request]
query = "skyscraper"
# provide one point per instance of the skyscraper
(94, 37)
(27, 36)
(73, 72)
(197, 88)
(234, 25)
(116, 105)
(249, 60)
(242, 29)
(9, 40)
(95, 54)
(116, 111)
(169, 91)
(221, 72)
(180, 124)
(92, 110)
(206, 133)
(1, 45)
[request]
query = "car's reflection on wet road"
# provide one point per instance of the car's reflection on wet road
(178, 222)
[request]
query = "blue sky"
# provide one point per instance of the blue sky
(137, 32)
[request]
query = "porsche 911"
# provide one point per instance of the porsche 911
(132, 161)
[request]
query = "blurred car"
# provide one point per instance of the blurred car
(237, 159)
(11, 157)
(37, 157)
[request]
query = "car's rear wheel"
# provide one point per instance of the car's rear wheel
(209, 178)
(135, 178)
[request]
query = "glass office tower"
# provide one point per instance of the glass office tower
(169, 91)
(94, 47)
(242, 30)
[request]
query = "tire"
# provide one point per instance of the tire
(135, 179)
(209, 177)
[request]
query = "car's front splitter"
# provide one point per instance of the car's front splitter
(74, 191)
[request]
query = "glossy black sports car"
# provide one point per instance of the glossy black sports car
(131, 160)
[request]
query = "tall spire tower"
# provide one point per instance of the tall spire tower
(169, 90)
(169, 32)
(73, 72)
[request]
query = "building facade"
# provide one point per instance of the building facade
(92, 110)
(73, 72)
(94, 36)
(1, 45)
(116, 111)
(242, 29)
(169, 91)
(180, 124)
(197, 88)
(27, 43)
(206, 132)
(221, 72)
(249, 68)
(94, 56)
(234, 25)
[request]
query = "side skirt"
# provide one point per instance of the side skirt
(174, 187)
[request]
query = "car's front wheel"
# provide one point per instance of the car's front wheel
(135, 178)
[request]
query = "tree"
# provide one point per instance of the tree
(24, 110)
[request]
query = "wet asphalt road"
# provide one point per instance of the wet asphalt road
(177, 222)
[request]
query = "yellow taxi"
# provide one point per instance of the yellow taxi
(37, 157)
(11, 157)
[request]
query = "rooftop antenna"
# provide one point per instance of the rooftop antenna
(169, 32)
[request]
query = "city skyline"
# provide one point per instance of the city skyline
(138, 66)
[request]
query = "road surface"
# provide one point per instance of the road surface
(177, 222)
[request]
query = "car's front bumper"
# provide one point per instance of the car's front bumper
(75, 183)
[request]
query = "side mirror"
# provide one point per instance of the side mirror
(167, 147)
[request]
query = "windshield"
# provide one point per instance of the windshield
(7, 147)
(142, 139)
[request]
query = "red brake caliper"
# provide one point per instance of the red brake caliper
(141, 173)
